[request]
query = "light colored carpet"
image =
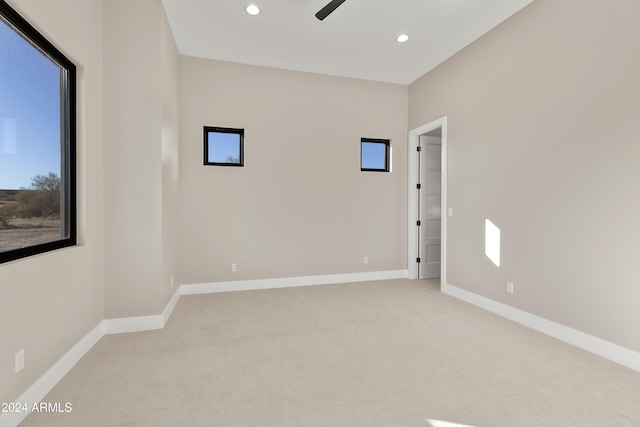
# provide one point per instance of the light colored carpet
(389, 354)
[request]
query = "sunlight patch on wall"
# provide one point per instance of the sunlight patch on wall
(438, 423)
(492, 242)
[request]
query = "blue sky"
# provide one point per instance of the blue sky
(223, 145)
(29, 112)
(373, 155)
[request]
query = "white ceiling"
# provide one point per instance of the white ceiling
(357, 40)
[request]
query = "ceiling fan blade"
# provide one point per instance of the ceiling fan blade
(326, 11)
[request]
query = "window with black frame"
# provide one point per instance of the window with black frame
(374, 155)
(223, 146)
(37, 142)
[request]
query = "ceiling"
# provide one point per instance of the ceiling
(357, 40)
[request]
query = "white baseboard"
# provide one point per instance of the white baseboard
(133, 324)
(141, 323)
(288, 282)
(602, 348)
(170, 306)
(49, 379)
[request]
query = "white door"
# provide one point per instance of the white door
(430, 206)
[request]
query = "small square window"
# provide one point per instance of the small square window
(223, 146)
(374, 155)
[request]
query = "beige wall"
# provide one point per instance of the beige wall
(141, 131)
(543, 141)
(49, 302)
(300, 206)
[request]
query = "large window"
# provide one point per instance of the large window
(37, 142)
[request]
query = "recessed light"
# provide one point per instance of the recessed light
(402, 38)
(252, 9)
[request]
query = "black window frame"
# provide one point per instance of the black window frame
(68, 214)
(218, 129)
(387, 153)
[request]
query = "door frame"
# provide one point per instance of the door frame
(413, 176)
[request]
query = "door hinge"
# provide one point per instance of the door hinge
(419, 148)
(418, 223)
(417, 260)
(418, 186)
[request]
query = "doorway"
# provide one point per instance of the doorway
(426, 231)
(430, 204)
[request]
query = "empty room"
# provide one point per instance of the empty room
(319, 213)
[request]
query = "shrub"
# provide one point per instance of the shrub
(42, 199)
(6, 213)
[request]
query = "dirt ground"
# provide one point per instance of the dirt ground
(26, 232)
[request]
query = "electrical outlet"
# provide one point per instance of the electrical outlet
(234, 267)
(509, 287)
(366, 260)
(20, 361)
(450, 212)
